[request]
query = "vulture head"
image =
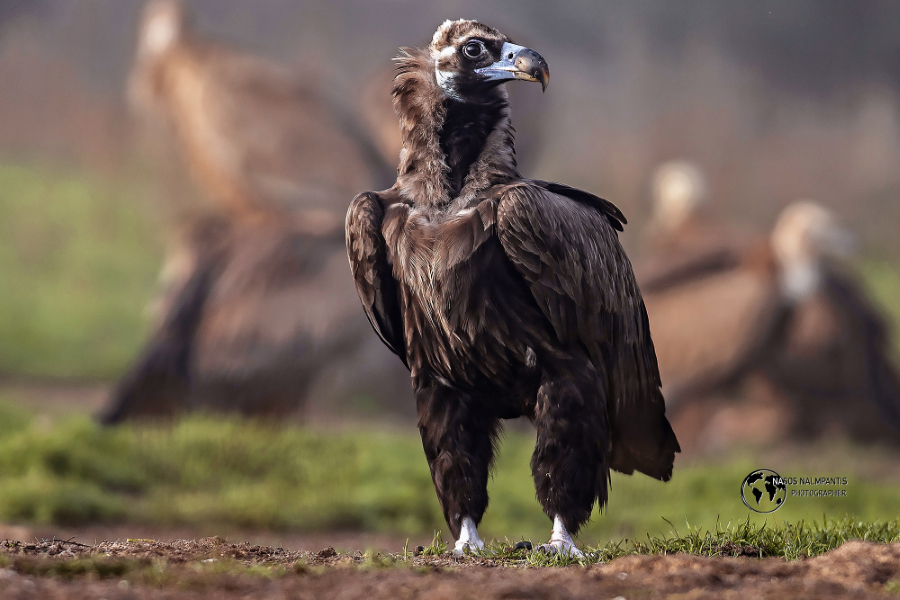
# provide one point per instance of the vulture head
(805, 235)
(163, 24)
(472, 59)
(679, 190)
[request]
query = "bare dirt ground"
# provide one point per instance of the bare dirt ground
(214, 568)
(342, 541)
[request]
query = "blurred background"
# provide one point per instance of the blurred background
(101, 192)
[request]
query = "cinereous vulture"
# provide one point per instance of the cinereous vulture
(504, 296)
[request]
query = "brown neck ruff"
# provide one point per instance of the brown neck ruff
(451, 150)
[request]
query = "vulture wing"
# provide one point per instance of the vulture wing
(699, 248)
(881, 378)
(708, 332)
(846, 362)
(563, 241)
(372, 272)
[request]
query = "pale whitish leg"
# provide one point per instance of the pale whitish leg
(468, 538)
(560, 541)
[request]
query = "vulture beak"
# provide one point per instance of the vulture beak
(518, 62)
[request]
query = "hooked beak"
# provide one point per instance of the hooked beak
(518, 62)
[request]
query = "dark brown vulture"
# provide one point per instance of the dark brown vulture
(254, 312)
(504, 296)
(789, 320)
(256, 139)
(834, 353)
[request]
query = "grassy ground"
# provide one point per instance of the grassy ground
(78, 264)
(227, 473)
(113, 559)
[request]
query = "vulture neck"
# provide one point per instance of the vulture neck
(452, 150)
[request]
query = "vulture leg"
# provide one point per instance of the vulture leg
(571, 458)
(458, 437)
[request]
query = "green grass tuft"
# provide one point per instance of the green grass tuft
(790, 541)
(437, 547)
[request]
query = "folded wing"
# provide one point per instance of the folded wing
(372, 272)
(563, 241)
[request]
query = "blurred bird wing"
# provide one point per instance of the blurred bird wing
(563, 242)
(704, 330)
(700, 247)
(372, 272)
(277, 293)
(675, 270)
(881, 379)
(854, 360)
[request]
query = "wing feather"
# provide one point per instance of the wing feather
(563, 241)
(372, 272)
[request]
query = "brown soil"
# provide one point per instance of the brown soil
(213, 568)
(342, 541)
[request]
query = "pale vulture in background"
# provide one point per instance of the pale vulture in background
(782, 317)
(256, 309)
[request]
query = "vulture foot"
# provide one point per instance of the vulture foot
(560, 541)
(561, 547)
(468, 541)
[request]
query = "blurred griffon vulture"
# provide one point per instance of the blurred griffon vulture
(253, 310)
(782, 311)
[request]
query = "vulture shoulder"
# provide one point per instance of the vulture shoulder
(563, 242)
(372, 271)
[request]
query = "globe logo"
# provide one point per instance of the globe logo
(763, 491)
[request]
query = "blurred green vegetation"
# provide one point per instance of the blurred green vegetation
(78, 264)
(882, 280)
(226, 473)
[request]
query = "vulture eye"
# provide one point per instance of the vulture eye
(473, 49)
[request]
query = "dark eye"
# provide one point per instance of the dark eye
(473, 49)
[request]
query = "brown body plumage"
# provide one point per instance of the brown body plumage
(252, 318)
(505, 296)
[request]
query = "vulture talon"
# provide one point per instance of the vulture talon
(523, 545)
(467, 549)
(554, 547)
